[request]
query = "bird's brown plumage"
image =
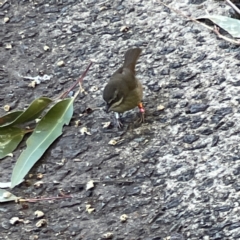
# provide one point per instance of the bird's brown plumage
(124, 91)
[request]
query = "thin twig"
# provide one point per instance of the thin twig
(80, 79)
(43, 199)
(233, 6)
(204, 25)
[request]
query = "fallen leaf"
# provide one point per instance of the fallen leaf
(102, 8)
(84, 131)
(108, 235)
(124, 29)
(38, 184)
(8, 46)
(38, 79)
(112, 142)
(34, 110)
(14, 220)
(9, 118)
(231, 25)
(32, 84)
(46, 48)
(123, 218)
(77, 160)
(38, 214)
(61, 63)
(106, 124)
(89, 209)
(41, 223)
(88, 206)
(160, 107)
(6, 19)
(10, 137)
(45, 133)
(6, 108)
(39, 176)
(77, 123)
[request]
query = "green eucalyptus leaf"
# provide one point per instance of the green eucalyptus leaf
(6, 196)
(10, 137)
(45, 133)
(231, 25)
(31, 113)
(9, 118)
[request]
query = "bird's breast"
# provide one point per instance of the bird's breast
(130, 101)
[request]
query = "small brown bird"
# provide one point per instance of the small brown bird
(124, 91)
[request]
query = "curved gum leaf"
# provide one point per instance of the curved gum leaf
(32, 112)
(231, 25)
(45, 133)
(9, 118)
(10, 137)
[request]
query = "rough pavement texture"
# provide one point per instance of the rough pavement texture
(175, 176)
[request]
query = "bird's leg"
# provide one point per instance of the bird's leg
(117, 117)
(142, 112)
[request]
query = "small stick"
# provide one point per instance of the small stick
(80, 79)
(42, 199)
(204, 25)
(233, 6)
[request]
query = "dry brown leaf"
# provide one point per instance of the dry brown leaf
(61, 63)
(6, 108)
(38, 214)
(41, 223)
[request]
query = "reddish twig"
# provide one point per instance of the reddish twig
(42, 199)
(79, 81)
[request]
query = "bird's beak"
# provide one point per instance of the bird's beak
(107, 108)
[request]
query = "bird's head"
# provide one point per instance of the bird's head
(112, 96)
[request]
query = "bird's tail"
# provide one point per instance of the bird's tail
(131, 57)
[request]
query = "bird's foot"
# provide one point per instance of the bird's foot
(141, 118)
(118, 121)
(142, 112)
